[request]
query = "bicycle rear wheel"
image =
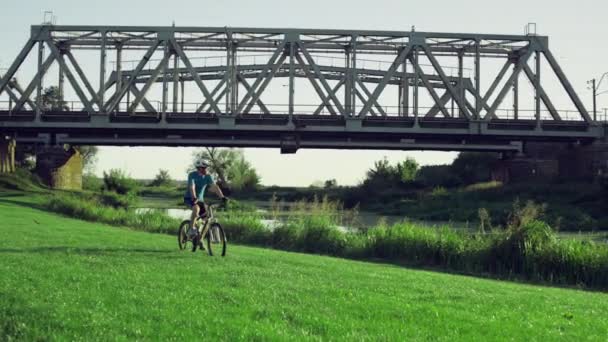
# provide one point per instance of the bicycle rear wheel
(182, 234)
(216, 240)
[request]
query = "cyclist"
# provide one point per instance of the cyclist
(197, 183)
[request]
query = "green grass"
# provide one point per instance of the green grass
(74, 280)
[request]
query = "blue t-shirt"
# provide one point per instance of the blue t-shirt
(200, 183)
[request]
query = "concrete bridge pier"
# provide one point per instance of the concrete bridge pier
(7, 154)
(555, 161)
(60, 168)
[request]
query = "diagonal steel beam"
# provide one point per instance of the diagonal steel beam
(16, 64)
(389, 74)
(144, 102)
(15, 85)
(429, 87)
(316, 86)
(268, 68)
(363, 100)
(495, 83)
(436, 108)
(195, 76)
(334, 90)
(260, 103)
(265, 83)
(507, 87)
(81, 95)
(157, 71)
(321, 78)
(213, 93)
(85, 81)
(446, 82)
(370, 98)
(124, 89)
(567, 86)
(543, 95)
(32, 85)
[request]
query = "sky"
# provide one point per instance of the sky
(576, 29)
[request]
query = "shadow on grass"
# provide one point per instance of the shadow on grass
(86, 250)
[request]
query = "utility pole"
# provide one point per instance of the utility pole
(595, 85)
(594, 99)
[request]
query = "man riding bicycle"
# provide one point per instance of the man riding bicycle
(195, 191)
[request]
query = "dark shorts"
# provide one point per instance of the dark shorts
(190, 203)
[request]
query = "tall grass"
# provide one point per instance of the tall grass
(527, 249)
(87, 208)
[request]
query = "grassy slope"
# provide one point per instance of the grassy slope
(79, 280)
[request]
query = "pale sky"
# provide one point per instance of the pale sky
(576, 30)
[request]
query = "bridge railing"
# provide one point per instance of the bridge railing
(310, 109)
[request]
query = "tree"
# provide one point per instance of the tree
(162, 178)
(52, 100)
(229, 167)
(407, 170)
(474, 167)
(89, 156)
(331, 183)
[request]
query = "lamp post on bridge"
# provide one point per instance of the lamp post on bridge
(595, 85)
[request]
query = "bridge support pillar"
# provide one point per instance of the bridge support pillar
(60, 169)
(552, 161)
(7, 154)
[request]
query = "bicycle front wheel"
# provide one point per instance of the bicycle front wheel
(182, 234)
(216, 240)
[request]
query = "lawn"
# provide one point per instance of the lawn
(64, 279)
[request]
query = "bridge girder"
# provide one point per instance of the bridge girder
(333, 62)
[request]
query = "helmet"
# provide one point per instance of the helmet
(201, 163)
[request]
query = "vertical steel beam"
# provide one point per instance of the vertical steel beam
(515, 96)
(348, 83)
(165, 98)
(292, 72)
(354, 77)
(102, 71)
(175, 82)
(405, 85)
(183, 89)
(478, 104)
(461, 88)
(61, 83)
(118, 72)
(416, 80)
(536, 84)
(40, 78)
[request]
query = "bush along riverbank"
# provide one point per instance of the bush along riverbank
(526, 249)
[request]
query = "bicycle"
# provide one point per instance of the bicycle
(208, 228)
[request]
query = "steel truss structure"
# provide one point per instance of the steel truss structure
(229, 109)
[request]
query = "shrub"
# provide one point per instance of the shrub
(162, 178)
(118, 181)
